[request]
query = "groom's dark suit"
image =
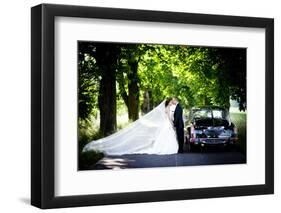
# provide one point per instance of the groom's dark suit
(179, 125)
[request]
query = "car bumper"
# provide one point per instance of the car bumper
(213, 141)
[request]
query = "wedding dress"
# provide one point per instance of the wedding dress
(153, 133)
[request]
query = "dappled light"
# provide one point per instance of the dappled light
(115, 163)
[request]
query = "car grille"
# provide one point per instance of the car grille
(215, 140)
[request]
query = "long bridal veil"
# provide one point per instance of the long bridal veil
(151, 134)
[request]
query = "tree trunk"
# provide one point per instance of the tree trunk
(107, 55)
(131, 98)
(133, 90)
(147, 104)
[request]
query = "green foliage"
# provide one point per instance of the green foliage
(88, 86)
(87, 132)
(196, 75)
(87, 159)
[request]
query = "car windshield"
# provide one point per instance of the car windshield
(206, 113)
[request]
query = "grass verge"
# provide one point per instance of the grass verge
(239, 119)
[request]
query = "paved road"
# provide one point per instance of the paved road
(184, 159)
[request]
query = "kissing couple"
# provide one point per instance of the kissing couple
(160, 132)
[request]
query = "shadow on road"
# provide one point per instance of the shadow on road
(184, 159)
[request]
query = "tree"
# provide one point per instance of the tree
(106, 57)
(235, 65)
(88, 83)
(216, 75)
(128, 68)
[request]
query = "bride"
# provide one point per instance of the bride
(153, 133)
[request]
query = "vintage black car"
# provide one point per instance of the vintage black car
(210, 126)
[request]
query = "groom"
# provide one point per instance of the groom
(178, 123)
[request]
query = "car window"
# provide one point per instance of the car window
(203, 113)
(218, 113)
(207, 113)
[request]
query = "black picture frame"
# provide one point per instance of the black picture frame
(43, 117)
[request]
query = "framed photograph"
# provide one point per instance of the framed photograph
(139, 106)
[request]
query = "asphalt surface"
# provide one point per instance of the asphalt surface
(182, 159)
